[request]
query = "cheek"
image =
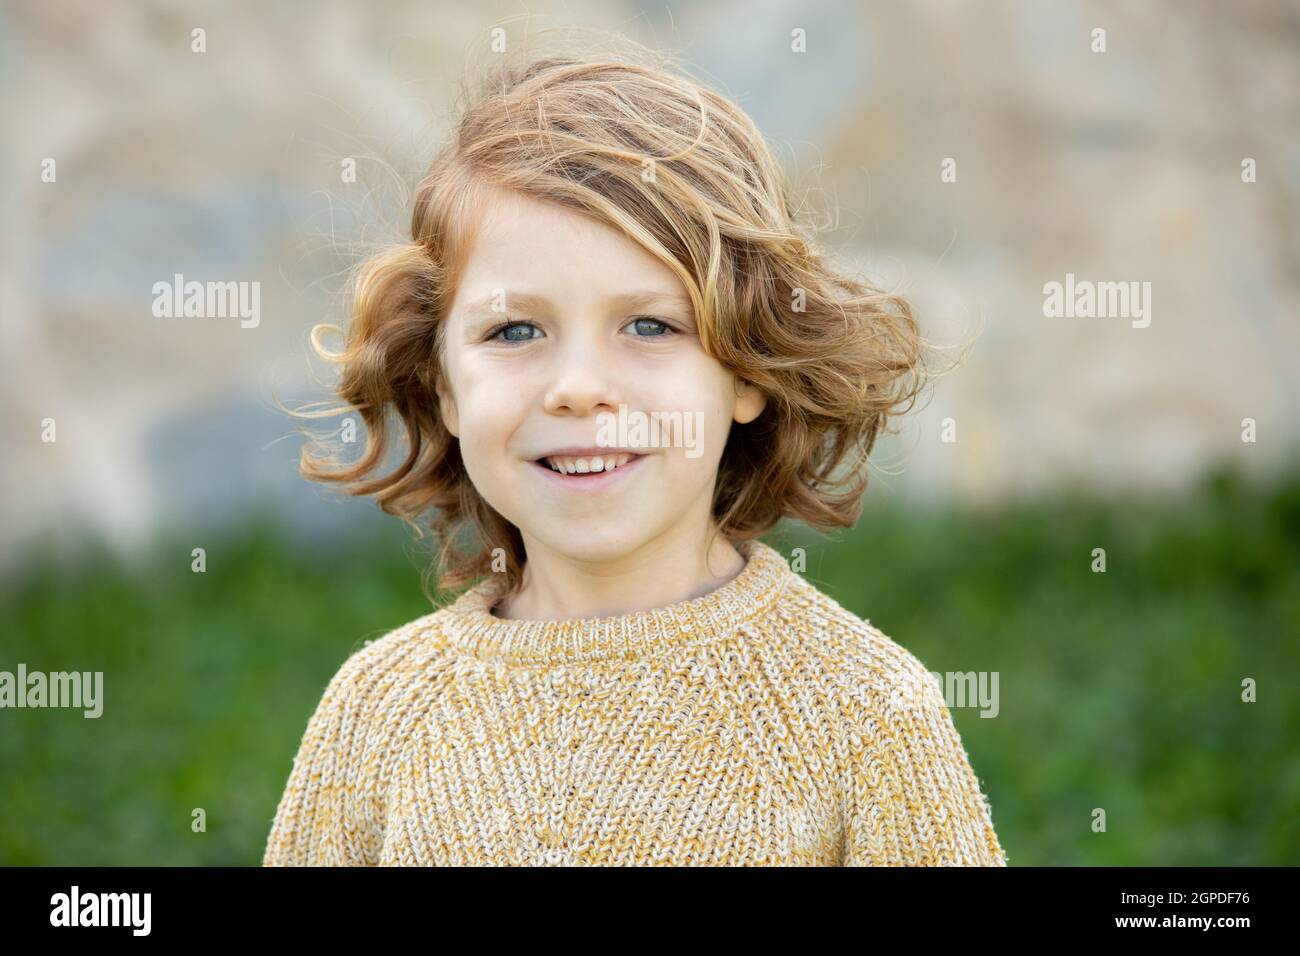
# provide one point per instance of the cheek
(705, 423)
(485, 404)
(484, 452)
(482, 434)
(491, 417)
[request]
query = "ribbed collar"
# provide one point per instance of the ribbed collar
(471, 626)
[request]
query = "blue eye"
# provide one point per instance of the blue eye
(664, 326)
(509, 327)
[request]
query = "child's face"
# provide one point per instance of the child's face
(514, 396)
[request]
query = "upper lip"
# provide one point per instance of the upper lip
(586, 452)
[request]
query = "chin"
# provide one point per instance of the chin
(584, 541)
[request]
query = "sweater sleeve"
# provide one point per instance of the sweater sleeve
(914, 799)
(324, 818)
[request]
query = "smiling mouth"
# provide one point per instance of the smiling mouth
(587, 466)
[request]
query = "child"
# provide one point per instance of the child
(617, 362)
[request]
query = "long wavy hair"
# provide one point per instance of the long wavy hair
(630, 140)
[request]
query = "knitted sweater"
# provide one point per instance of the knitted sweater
(759, 724)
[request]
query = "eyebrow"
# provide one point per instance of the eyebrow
(530, 302)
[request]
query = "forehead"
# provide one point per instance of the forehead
(525, 243)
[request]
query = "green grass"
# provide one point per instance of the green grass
(1119, 691)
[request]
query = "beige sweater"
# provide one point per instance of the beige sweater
(759, 724)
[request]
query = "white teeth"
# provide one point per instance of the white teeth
(584, 466)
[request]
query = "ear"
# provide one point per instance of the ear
(447, 405)
(750, 402)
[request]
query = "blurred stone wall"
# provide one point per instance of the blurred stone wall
(224, 165)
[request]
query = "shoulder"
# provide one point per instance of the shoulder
(890, 707)
(387, 665)
(868, 672)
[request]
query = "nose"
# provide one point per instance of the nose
(585, 381)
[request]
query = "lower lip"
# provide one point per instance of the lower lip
(590, 481)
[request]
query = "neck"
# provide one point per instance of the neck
(665, 571)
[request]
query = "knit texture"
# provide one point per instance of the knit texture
(761, 723)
